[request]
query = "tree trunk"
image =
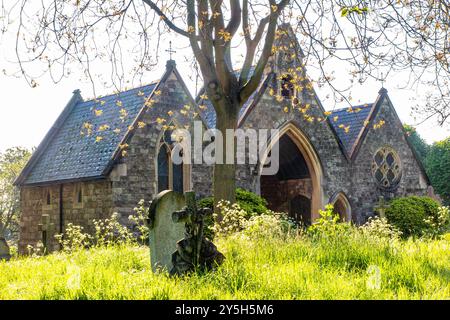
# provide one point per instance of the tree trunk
(225, 174)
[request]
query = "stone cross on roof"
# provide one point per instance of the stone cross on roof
(170, 50)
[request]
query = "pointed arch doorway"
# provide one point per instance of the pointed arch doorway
(342, 207)
(297, 186)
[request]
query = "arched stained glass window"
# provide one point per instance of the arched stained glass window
(170, 175)
(163, 168)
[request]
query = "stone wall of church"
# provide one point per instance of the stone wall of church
(366, 192)
(269, 114)
(134, 177)
(202, 180)
(96, 203)
(280, 193)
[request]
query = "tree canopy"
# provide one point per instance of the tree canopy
(368, 39)
(12, 162)
(419, 145)
(438, 168)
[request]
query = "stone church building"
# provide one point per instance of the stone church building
(104, 155)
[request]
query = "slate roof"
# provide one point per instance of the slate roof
(353, 119)
(69, 155)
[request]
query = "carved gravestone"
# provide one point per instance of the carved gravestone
(4, 250)
(164, 233)
(194, 252)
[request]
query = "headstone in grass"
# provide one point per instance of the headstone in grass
(44, 228)
(4, 250)
(381, 207)
(164, 232)
(194, 252)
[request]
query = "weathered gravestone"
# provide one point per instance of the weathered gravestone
(164, 233)
(381, 207)
(4, 250)
(44, 228)
(177, 241)
(194, 252)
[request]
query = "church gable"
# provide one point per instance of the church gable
(286, 59)
(285, 90)
(137, 171)
(87, 137)
(383, 161)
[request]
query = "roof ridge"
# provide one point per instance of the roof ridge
(364, 105)
(124, 91)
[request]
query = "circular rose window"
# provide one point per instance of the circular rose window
(386, 168)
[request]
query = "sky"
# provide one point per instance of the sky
(26, 114)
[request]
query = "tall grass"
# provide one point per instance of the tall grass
(348, 265)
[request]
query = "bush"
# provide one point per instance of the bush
(439, 224)
(263, 226)
(328, 225)
(108, 232)
(380, 228)
(139, 220)
(250, 202)
(410, 215)
(269, 225)
(232, 219)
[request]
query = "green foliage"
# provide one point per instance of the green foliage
(327, 225)
(419, 144)
(250, 202)
(12, 162)
(409, 214)
(349, 266)
(232, 219)
(438, 168)
(438, 224)
(436, 160)
(74, 238)
(266, 258)
(108, 232)
(139, 219)
(345, 11)
(111, 232)
(270, 225)
(380, 228)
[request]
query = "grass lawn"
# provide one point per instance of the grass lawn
(341, 267)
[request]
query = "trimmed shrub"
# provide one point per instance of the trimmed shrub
(410, 214)
(248, 201)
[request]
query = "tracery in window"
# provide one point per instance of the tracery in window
(386, 168)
